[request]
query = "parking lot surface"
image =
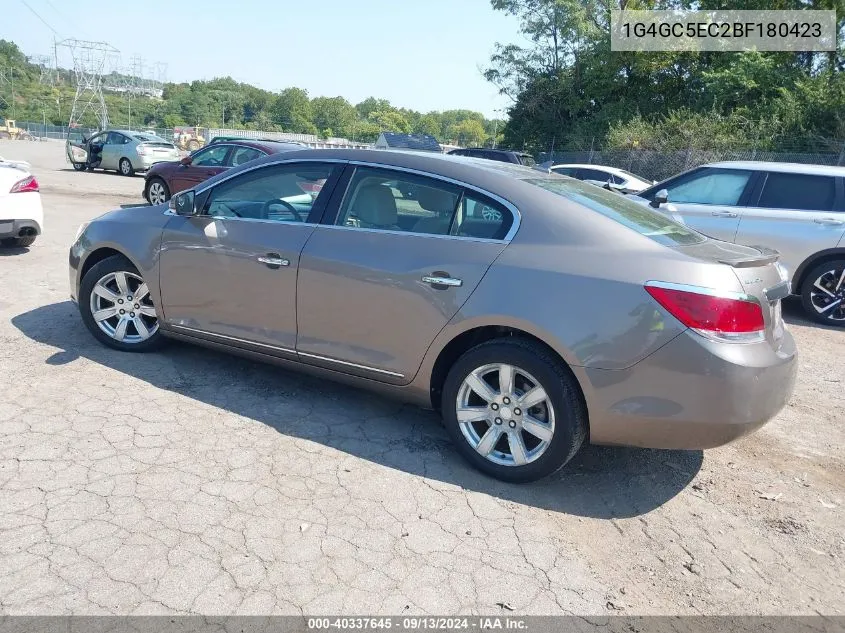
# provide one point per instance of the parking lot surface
(187, 481)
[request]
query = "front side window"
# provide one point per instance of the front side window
(282, 193)
(639, 218)
(241, 155)
(396, 201)
(210, 156)
(711, 187)
(798, 191)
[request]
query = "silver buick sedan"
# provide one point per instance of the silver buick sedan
(533, 311)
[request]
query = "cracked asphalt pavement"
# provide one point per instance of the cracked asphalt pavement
(188, 481)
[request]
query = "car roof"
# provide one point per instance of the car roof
(273, 147)
(800, 168)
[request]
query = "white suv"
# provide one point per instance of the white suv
(798, 210)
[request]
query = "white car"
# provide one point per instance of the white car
(14, 163)
(619, 179)
(21, 214)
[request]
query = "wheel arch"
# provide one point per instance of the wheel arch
(99, 254)
(466, 340)
(811, 262)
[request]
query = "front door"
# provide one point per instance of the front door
(380, 280)
(796, 214)
(112, 150)
(230, 272)
(710, 200)
(205, 163)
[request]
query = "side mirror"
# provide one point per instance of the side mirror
(183, 203)
(186, 160)
(661, 197)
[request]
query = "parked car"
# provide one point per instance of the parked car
(21, 214)
(120, 150)
(573, 314)
(617, 179)
(15, 163)
(798, 210)
(501, 155)
(166, 179)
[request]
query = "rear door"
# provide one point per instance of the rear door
(206, 162)
(795, 214)
(710, 199)
(112, 150)
(380, 278)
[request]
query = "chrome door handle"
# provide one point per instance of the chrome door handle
(829, 221)
(723, 214)
(274, 261)
(443, 281)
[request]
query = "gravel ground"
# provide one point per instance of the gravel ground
(191, 482)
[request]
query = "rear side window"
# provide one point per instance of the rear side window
(593, 174)
(639, 218)
(527, 160)
(564, 171)
(481, 217)
(241, 155)
(798, 191)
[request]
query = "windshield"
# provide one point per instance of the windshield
(637, 217)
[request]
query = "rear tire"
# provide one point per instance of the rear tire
(824, 286)
(497, 436)
(18, 242)
(104, 277)
(125, 167)
(193, 146)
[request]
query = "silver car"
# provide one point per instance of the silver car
(798, 210)
(120, 150)
(534, 311)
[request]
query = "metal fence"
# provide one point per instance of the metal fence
(658, 164)
(40, 130)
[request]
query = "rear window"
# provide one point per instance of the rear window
(637, 217)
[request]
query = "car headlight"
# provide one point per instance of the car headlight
(79, 231)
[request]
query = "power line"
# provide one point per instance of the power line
(35, 13)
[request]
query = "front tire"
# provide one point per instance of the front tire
(79, 166)
(116, 306)
(157, 191)
(823, 293)
(125, 167)
(18, 242)
(513, 410)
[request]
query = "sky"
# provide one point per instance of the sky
(420, 54)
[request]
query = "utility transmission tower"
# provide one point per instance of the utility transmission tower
(45, 65)
(89, 62)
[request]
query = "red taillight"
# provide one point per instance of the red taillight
(717, 316)
(27, 184)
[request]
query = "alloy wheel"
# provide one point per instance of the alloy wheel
(122, 307)
(505, 414)
(157, 193)
(827, 294)
(125, 167)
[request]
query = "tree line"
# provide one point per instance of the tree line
(226, 103)
(570, 91)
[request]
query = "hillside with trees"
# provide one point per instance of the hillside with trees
(569, 90)
(224, 102)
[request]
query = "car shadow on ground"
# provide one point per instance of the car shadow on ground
(599, 482)
(8, 251)
(794, 314)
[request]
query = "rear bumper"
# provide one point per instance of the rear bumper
(691, 394)
(19, 228)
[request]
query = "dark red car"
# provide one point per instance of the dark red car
(165, 179)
